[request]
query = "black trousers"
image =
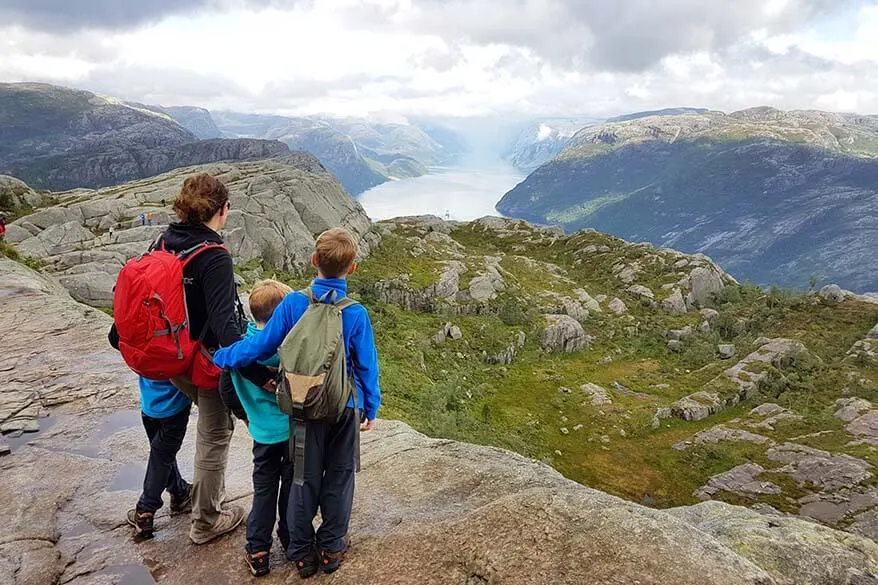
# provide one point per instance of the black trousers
(165, 439)
(272, 478)
(330, 464)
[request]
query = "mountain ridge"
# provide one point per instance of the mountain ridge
(774, 196)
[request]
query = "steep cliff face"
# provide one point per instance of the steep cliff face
(427, 511)
(773, 196)
(278, 206)
(58, 138)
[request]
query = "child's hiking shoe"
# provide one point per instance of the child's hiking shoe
(142, 523)
(331, 561)
(308, 566)
(258, 563)
(182, 505)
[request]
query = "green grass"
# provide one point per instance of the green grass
(447, 390)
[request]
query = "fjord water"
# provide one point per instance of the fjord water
(465, 192)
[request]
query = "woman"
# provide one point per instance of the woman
(214, 319)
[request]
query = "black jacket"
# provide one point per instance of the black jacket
(211, 295)
(212, 303)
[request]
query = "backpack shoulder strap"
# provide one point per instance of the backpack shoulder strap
(345, 302)
(187, 256)
(309, 294)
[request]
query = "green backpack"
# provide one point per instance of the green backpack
(313, 380)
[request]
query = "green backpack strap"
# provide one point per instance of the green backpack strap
(298, 436)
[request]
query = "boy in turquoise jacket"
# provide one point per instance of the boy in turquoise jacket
(270, 429)
(330, 449)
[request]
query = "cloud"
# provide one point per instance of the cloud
(67, 15)
(454, 57)
(622, 35)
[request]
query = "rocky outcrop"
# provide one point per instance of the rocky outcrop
(16, 197)
(278, 206)
(434, 511)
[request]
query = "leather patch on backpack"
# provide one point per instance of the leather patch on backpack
(301, 386)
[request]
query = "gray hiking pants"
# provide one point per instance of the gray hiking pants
(215, 428)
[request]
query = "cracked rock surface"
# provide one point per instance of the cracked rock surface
(426, 511)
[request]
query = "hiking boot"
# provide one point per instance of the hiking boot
(331, 561)
(182, 505)
(258, 563)
(142, 523)
(308, 566)
(228, 520)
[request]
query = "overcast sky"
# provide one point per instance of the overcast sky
(451, 57)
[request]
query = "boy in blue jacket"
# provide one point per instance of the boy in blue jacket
(270, 429)
(330, 450)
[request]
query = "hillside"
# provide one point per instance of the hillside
(57, 138)
(359, 153)
(84, 237)
(643, 372)
(427, 511)
(775, 197)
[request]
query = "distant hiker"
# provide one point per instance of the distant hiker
(186, 282)
(112, 231)
(164, 204)
(325, 432)
(165, 414)
(142, 219)
(2, 226)
(149, 218)
(270, 429)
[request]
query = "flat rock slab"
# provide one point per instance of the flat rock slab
(426, 511)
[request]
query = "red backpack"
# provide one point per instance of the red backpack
(149, 309)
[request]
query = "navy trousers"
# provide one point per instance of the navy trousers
(165, 439)
(272, 478)
(330, 464)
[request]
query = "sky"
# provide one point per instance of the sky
(451, 58)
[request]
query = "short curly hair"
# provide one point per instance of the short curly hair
(201, 197)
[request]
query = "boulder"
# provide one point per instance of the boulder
(704, 283)
(833, 293)
(697, 406)
(587, 301)
(675, 304)
(618, 307)
(638, 290)
(709, 314)
(563, 334)
(726, 351)
(847, 409)
(599, 396)
(575, 310)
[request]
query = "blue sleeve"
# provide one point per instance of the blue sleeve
(364, 360)
(261, 346)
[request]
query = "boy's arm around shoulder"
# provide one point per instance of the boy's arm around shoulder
(364, 360)
(261, 346)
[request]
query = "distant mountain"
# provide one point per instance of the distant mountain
(541, 141)
(664, 112)
(361, 154)
(774, 196)
(58, 138)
